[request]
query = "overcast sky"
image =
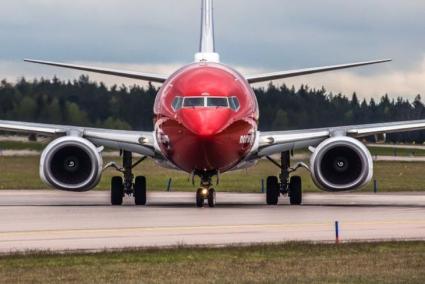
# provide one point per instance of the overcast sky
(251, 35)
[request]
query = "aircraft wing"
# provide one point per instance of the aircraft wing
(120, 73)
(134, 141)
(294, 73)
(280, 141)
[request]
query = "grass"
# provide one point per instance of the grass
(390, 262)
(22, 173)
(387, 151)
(20, 145)
(384, 151)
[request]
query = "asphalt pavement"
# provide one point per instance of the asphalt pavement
(60, 221)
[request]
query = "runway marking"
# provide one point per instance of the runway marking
(213, 227)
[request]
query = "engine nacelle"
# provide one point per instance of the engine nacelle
(72, 164)
(341, 164)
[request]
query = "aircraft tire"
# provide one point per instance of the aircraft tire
(272, 192)
(140, 191)
(211, 197)
(199, 198)
(295, 190)
(117, 191)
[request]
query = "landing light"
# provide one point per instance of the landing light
(204, 192)
(143, 140)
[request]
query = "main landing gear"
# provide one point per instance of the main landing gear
(205, 193)
(121, 186)
(284, 184)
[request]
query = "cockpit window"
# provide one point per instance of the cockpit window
(207, 102)
(234, 103)
(177, 103)
(194, 102)
(217, 102)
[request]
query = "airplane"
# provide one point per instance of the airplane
(206, 123)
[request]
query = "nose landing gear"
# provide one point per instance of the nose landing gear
(205, 192)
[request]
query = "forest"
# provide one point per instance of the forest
(87, 103)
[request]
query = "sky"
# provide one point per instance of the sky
(253, 36)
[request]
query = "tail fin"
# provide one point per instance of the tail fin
(207, 28)
(207, 44)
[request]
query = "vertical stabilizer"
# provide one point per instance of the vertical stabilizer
(207, 44)
(207, 28)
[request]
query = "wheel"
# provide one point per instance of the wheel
(295, 191)
(117, 190)
(273, 192)
(199, 198)
(211, 197)
(140, 190)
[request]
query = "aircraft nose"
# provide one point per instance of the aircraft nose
(205, 122)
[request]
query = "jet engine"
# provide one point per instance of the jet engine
(72, 164)
(341, 164)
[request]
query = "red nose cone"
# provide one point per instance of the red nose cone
(205, 122)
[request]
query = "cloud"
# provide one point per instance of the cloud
(395, 83)
(270, 34)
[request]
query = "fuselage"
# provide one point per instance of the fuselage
(206, 118)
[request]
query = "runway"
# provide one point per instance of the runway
(58, 221)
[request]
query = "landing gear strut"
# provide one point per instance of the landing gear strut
(121, 186)
(205, 192)
(284, 185)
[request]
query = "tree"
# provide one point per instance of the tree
(50, 112)
(116, 123)
(26, 109)
(281, 120)
(74, 115)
